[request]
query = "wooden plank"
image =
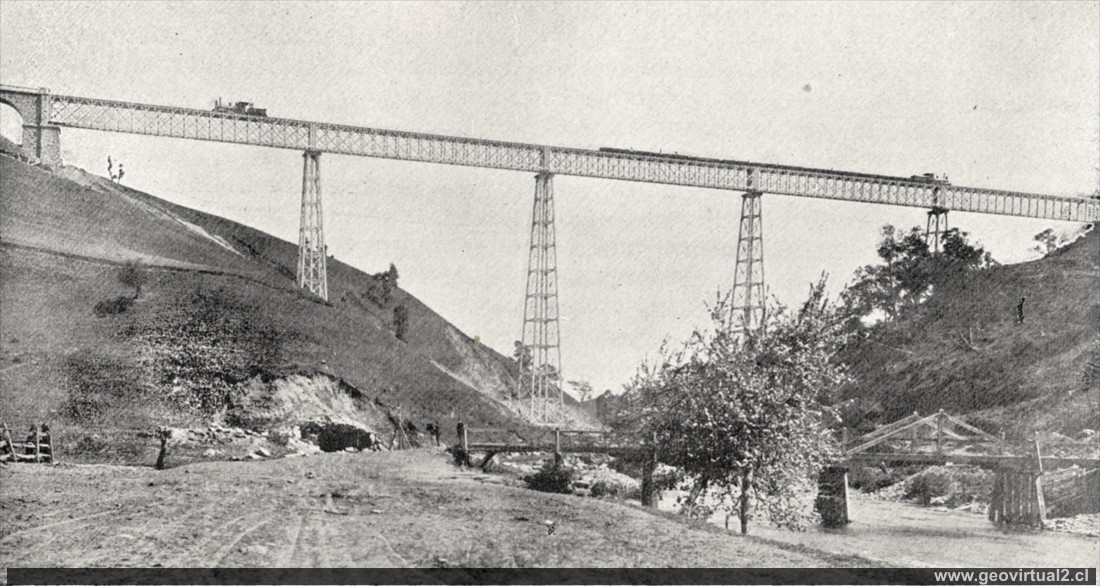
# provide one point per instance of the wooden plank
(978, 460)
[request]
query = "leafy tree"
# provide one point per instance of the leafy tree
(1048, 241)
(584, 388)
(133, 274)
(746, 421)
(401, 321)
(522, 356)
(911, 271)
(389, 282)
(382, 286)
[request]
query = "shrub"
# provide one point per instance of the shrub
(613, 484)
(133, 274)
(113, 306)
(98, 383)
(551, 478)
(871, 478)
(927, 486)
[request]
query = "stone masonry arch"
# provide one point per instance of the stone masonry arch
(40, 138)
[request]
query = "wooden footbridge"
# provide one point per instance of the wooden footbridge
(937, 439)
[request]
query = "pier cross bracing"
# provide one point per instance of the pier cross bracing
(45, 113)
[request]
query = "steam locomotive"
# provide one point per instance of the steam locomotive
(239, 108)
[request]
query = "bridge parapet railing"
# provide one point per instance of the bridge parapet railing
(550, 439)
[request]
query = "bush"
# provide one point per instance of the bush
(927, 486)
(551, 478)
(613, 484)
(113, 306)
(871, 478)
(99, 383)
(133, 274)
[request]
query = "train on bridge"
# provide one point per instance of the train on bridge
(924, 178)
(241, 108)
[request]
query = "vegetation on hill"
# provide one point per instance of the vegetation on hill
(121, 311)
(954, 340)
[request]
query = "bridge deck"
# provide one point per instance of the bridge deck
(988, 461)
(625, 165)
(549, 448)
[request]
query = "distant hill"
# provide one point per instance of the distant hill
(217, 330)
(963, 350)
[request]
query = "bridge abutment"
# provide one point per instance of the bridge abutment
(44, 142)
(832, 496)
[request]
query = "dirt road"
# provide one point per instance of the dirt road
(342, 510)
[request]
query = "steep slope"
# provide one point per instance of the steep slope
(964, 351)
(216, 331)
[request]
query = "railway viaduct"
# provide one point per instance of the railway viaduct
(45, 113)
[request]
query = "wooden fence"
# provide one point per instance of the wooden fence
(37, 448)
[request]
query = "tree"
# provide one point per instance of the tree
(389, 282)
(584, 388)
(400, 321)
(133, 274)
(746, 421)
(1048, 241)
(911, 271)
(522, 355)
(382, 286)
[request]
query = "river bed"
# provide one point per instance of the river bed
(905, 534)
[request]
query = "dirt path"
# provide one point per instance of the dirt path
(340, 510)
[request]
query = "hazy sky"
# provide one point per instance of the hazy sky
(999, 95)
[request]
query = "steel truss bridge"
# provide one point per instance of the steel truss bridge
(45, 113)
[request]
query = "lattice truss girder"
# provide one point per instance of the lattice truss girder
(539, 387)
(312, 252)
(129, 117)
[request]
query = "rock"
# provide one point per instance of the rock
(254, 456)
(351, 450)
(210, 453)
(257, 549)
(264, 452)
(376, 512)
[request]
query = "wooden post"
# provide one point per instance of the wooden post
(37, 443)
(11, 446)
(844, 439)
(913, 435)
(1037, 488)
(163, 434)
(557, 440)
(939, 433)
(996, 500)
(649, 466)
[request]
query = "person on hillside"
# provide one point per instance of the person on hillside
(1020, 310)
(120, 173)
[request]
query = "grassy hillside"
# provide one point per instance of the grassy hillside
(219, 321)
(963, 350)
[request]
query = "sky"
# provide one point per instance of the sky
(994, 94)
